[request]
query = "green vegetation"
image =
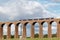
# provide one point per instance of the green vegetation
(43, 39)
(36, 37)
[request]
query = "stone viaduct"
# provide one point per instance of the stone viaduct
(32, 22)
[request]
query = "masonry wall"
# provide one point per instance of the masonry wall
(32, 22)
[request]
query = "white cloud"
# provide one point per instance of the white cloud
(17, 9)
(24, 9)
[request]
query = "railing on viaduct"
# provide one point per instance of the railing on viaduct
(32, 22)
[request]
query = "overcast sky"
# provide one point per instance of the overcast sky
(12, 10)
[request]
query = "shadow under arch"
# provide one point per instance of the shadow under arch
(28, 29)
(36, 29)
(51, 22)
(34, 23)
(18, 24)
(59, 22)
(26, 23)
(20, 29)
(42, 22)
(54, 28)
(10, 24)
(4, 30)
(12, 28)
(45, 29)
(2, 24)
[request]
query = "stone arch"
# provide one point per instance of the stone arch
(4, 30)
(51, 22)
(28, 29)
(36, 29)
(42, 22)
(45, 29)
(26, 23)
(54, 28)
(18, 24)
(34, 23)
(10, 24)
(2, 24)
(19, 27)
(12, 29)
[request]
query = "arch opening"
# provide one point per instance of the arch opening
(20, 30)
(4, 31)
(45, 29)
(54, 29)
(28, 30)
(36, 29)
(12, 30)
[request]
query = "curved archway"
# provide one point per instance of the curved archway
(36, 29)
(45, 29)
(28, 30)
(12, 26)
(54, 29)
(20, 30)
(4, 30)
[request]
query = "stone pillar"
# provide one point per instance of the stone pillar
(24, 31)
(40, 31)
(58, 30)
(16, 32)
(1, 32)
(32, 31)
(8, 32)
(49, 31)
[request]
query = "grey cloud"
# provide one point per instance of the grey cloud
(22, 9)
(3, 17)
